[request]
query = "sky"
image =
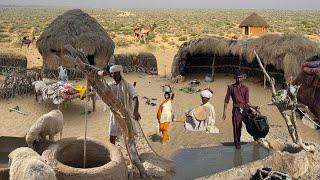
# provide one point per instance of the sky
(238, 4)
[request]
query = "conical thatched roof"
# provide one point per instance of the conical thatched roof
(285, 52)
(254, 20)
(78, 29)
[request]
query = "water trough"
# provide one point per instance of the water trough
(196, 162)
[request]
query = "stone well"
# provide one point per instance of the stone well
(103, 160)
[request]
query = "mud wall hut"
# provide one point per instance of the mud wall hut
(82, 31)
(254, 25)
(136, 62)
(281, 55)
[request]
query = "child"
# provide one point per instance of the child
(164, 116)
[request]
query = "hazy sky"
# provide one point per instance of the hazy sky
(247, 4)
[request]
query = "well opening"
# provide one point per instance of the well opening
(72, 155)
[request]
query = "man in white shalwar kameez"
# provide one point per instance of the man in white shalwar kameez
(127, 94)
(208, 124)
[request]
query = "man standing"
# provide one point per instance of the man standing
(126, 93)
(240, 97)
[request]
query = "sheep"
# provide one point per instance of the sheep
(26, 164)
(48, 124)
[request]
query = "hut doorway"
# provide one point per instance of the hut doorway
(90, 58)
(246, 30)
(199, 64)
(212, 64)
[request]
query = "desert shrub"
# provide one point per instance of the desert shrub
(150, 37)
(122, 42)
(183, 38)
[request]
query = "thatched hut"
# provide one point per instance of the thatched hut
(254, 25)
(280, 54)
(81, 31)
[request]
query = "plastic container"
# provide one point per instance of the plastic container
(166, 88)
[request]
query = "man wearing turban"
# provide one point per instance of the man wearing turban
(127, 94)
(202, 118)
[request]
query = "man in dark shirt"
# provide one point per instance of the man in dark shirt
(240, 97)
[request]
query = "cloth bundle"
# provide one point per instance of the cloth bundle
(312, 67)
(61, 91)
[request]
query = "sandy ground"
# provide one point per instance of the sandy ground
(14, 124)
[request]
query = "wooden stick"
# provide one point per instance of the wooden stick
(11, 109)
(291, 122)
(85, 126)
(271, 80)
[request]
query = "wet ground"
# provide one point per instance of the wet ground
(198, 162)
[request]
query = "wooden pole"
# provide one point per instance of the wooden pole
(214, 58)
(292, 127)
(107, 96)
(264, 79)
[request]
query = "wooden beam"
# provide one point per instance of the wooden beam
(264, 79)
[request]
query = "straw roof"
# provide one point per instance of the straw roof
(254, 20)
(285, 52)
(78, 29)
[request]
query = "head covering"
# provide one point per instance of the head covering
(116, 68)
(206, 93)
(238, 73)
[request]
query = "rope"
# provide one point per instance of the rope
(85, 127)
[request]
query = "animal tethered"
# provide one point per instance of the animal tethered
(26, 41)
(287, 108)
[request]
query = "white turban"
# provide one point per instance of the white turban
(116, 68)
(206, 94)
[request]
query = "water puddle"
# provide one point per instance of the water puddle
(198, 162)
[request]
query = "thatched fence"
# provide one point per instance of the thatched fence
(140, 62)
(10, 62)
(283, 53)
(19, 83)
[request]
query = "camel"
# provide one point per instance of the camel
(26, 41)
(143, 31)
(310, 85)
